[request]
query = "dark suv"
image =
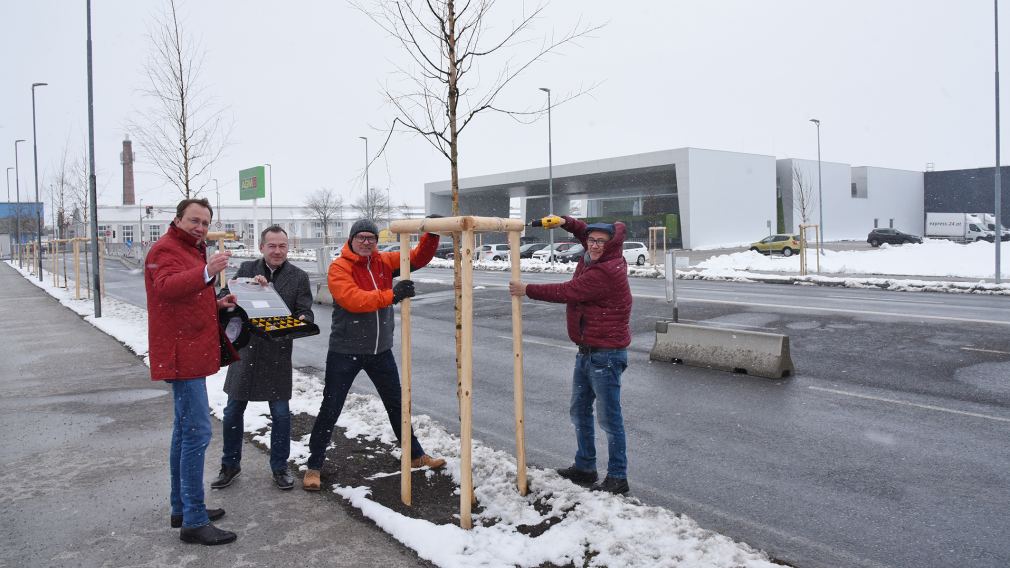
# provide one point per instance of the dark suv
(878, 237)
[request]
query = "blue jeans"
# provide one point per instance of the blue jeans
(341, 369)
(190, 438)
(597, 378)
(280, 433)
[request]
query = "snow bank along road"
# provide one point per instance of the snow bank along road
(887, 449)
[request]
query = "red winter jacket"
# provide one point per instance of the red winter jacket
(598, 295)
(182, 325)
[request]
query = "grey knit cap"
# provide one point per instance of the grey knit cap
(363, 226)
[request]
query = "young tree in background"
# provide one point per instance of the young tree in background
(375, 206)
(325, 206)
(804, 196)
(182, 133)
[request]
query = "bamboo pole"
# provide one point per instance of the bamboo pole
(466, 394)
(405, 365)
(77, 269)
(517, 368)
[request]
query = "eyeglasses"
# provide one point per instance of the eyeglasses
(365, 240)
(597, 242)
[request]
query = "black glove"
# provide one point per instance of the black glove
(403, 289)
(434, 216)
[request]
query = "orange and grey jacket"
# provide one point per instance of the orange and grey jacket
(362, 289)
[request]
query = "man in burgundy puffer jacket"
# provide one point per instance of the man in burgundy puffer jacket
(598, 300)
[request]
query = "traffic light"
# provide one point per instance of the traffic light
(150, 210)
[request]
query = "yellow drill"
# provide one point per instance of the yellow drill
(548, 222)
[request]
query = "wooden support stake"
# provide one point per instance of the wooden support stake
(517, 368)
(405, 365)
(77, 268)
(466, 398)
(100, 243)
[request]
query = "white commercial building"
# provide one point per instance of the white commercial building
(704, 198)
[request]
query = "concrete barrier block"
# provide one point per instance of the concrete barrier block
(750, 352)
(323, 295)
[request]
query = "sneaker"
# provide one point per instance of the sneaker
(311, 480)
(430, 462)
(213, 514)
(578, 476)
(207, 535)
(225, 477)
(615, 485)
(283, 479)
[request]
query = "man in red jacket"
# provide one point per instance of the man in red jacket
(184, 347)
(598, 300)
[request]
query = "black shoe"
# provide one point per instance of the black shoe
(224, 479)
(208, 535)
(578, 476)
(212, 514)
(615, 485)
(283, 479)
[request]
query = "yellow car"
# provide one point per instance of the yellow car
(785, 245)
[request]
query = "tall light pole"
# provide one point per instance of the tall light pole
(38, 204)
(17, 210)
(10, 235)
(820, 192)
(217, 193)
(271, 182)
(998, 209)
(368, 203)
(550, 173)
(92, 182)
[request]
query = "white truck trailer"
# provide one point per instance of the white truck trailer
(960, 227)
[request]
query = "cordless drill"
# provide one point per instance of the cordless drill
(548, 222)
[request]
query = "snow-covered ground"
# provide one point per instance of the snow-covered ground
(595, 529)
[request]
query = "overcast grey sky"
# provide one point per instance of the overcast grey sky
(896, 83)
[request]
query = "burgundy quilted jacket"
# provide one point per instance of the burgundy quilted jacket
(598, 295)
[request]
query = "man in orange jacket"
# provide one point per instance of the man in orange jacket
(361, 338)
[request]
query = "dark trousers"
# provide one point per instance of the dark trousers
(341, 369)
(280, 433)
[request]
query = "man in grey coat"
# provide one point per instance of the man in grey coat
(264, 371)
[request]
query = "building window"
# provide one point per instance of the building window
(105, 232)
(153, 232)
(126, 233)
(854, 191)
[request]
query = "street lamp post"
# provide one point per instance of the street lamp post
(820, 192)
(271, 182)
(17, 210)
(217, 194)
(38, 203)
(10, 236)
(550, 173)
(998, 208)
(368, 202)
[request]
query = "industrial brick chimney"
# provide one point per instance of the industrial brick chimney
(126, 158)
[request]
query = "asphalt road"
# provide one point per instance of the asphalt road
(888, 447)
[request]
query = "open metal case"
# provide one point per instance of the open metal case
(268, 315)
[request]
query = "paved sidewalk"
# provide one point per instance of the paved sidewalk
(84, 463)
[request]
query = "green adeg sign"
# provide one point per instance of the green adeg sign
(250, 183)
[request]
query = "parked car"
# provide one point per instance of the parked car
(880, 236)
(444, 250)
(234, 245)
(389, 247)
(545, 253)
(572, 253)
(527, 250)
(785, 245)
(636, 252)
(493, 252)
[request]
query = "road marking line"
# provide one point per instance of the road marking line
(836, 310)
(721, 323)
(916, 405)
(986, 350)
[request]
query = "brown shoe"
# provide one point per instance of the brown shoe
(311, 480)
(426, 460)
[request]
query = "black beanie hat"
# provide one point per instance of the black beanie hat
(363, 226)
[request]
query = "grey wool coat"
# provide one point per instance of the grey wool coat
(264, 372)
